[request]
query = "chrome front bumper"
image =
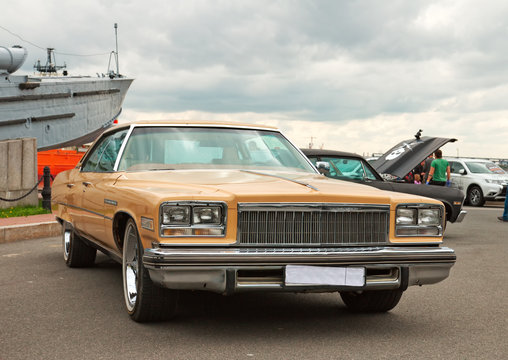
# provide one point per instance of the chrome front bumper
(227, 271)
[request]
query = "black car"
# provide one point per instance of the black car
(352, 167)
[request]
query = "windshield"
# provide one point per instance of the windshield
(346, 168)
(159, 148)
(484, 168)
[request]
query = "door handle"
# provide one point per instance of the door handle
(86, 183)
(70, 185)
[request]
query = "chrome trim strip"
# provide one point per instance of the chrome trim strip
(339, 206)
(83, 209)
(122, 148)
(160, 257)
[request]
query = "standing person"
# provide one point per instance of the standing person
(426, 167)
(439, 171)
(505, 213)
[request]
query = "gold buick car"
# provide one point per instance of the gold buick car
(234, 208)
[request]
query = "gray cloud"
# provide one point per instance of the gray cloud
(318, 61)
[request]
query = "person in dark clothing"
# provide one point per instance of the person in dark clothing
(505, 213)
(419, 168)
(426, 167)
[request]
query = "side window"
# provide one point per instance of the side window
(369, 174)
(92, 160)
(103, 157)
(455, 167)
(108, 157)
(313, 160)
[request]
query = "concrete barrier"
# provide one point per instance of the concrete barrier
(18, 171)
(29, 227)
(29, 232)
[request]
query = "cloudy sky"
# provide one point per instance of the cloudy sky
(351, 75)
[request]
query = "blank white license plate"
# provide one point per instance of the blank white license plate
(324, 275)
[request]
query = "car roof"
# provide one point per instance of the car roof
(323, 152)
(467, 159)
(193, 123)
(200, 123)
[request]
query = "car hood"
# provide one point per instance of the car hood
(406, 155)
(493, 177)
(253, 186)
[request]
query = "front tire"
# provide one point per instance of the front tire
(475, 196)
(372, 300)
(144, 300)
(76, 252)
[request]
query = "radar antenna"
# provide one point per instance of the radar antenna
(50, 67)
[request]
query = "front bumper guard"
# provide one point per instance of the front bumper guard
(228, 270)
(461, 216)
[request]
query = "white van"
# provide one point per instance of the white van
(479, 179)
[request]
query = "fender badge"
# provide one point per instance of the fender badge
(110, 202)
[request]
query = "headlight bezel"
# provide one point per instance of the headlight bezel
(195, 226)
(419, 225)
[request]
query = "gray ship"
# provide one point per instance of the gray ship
(57, 110)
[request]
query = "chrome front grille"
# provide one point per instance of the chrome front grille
(312, 224)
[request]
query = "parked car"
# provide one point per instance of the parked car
(230, 208)
(352, 167)
(480, 179)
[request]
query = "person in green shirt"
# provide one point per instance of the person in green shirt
(439, 173)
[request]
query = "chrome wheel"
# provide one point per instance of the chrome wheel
(130, 266)
(144, 300)
(76, 252)
(66, 243)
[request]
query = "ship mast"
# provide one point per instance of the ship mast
(116, 40)
(111, 72)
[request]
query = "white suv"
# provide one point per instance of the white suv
(479, 179)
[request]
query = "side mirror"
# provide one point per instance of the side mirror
(323, 167)
(462, 172)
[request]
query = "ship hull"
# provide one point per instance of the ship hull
(59, 111)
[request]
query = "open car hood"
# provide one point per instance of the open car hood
(407, 154)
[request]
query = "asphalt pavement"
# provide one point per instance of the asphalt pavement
(49, 311)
